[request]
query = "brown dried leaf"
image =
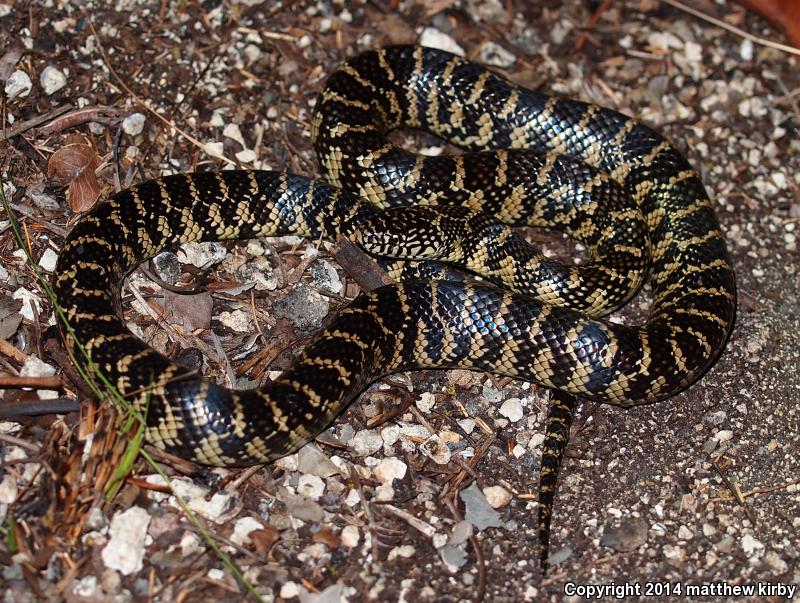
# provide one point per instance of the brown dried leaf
(264, 539)
(193, 311)
(74, 164)
(326, 536)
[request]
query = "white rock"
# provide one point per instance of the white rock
(5, 10)
(246, 156)
(497, 496)
(8, 490)
(189, 544)
(350, 536)
(436, 450)
(433, 38)
(426, 402)
(390, 469)
(311, 460)
(468, 425)
(236, 320)
(537, 439)
(495, 55)
(52, 80)
(746, 50)
(366, 442)
(778, 565)
(685, 533)
(512, 409)
(125, 549)
(48, 260)
(195, 497)
(311, 486)
(18, 84)
(133, 125)
(353, 498)
(86, 587)
(34, 367)
(390, 434)
(202, 255)
(242, 529)
(752, 546)
(406, 551)
(723, 435)
(384, 493)
(30, 302)
(233, 132)
(215, 573)
(289, 590)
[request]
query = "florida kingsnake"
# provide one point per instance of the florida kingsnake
(592, 172)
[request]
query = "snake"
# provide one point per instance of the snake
(527, 159)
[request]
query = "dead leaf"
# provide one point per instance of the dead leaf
(326, 536)
(264, 539)
(74, 165)
(193, 311)
(10, 318)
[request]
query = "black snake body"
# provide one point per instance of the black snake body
(589, 167)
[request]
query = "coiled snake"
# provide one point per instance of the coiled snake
(594, 173)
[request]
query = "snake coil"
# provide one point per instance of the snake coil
(533, 159)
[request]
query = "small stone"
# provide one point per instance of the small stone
(289, 590)
(560, 555)
(303, 306)
(627, 536)
(326, 277)
(685, 533)
(426, 402)
(246, 156)
(746, 50)
(311, 486)
(168, 267)
(301, 507)
(125, 549)
(405, 551)
(723, 435)
(497, 496)
(133, 125)
(8, 490)
(236, 320)
(33, 367)
(390, 469)
(674, 555)
(202, 255)
(311, 460)
(195, 496)
(496, 56)
(468, 425)
(537, 439)
(350, 536)
(233, 132)
(433, 38)
(778, 565)
(512, 409)
(709, 530)
(366, 442)
(390, 434)
(52, 80)
(752, 546)
(18, 84)
(242, 528)
(436, 450)
(478, 510)
(725, 545)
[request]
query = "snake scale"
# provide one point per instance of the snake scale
(596, 174)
